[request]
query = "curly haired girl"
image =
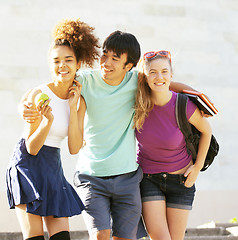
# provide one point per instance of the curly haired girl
(37, 188)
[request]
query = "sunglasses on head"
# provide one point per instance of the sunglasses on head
(162, 53)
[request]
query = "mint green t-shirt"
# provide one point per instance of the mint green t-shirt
(108, 128)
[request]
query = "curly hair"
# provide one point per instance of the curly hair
(79, 37)
(144, 103)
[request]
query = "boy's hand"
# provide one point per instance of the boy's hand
(28, 113)
(205, 115)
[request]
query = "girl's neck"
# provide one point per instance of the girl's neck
(162, 98)
(61, 90)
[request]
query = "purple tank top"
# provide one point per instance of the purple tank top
(161, 144)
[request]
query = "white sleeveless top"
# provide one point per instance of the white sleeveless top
(61, 112)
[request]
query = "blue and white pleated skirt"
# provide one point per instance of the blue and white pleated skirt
(39, 182)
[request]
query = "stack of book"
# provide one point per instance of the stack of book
(202, 102)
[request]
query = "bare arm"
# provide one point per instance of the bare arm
(36, 132)
(179, 87)
(204, 128)
(76, 131)
(76, 120)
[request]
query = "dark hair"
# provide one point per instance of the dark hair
(79, 37)
(122, 42)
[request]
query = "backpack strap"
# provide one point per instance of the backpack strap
(181, 114)
(183, 124)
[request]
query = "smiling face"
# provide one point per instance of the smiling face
(113, 68)
(159, 74)
(63, 64)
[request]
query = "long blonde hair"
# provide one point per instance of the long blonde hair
(144, 103)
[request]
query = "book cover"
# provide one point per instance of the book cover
(202, 102)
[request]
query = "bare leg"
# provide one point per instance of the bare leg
(154, 214)
(177, 221)
(31, 225)
(101, 235)
(55, 225)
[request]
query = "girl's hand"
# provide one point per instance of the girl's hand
(74, 94)
(45, 110)
(191, 174)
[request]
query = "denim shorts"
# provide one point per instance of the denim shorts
(167, 187)
(112, 203)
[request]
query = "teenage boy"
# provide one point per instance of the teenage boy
(107, 175)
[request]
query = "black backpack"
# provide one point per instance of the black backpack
(192, 135)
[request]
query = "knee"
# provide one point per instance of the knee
(64, 235)
(101, 235)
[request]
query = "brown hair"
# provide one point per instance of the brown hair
(144, 103)
(79, 37)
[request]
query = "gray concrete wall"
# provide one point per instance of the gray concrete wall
(203, 39)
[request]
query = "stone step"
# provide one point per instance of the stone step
(228, 237)
(77, 235)
(217, 233)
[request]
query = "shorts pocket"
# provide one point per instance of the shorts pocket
(79, 181)
(183, 180)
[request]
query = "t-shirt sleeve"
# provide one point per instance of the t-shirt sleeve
(80, 77)
(191, 107)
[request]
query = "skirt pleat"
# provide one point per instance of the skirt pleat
(39, 182)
